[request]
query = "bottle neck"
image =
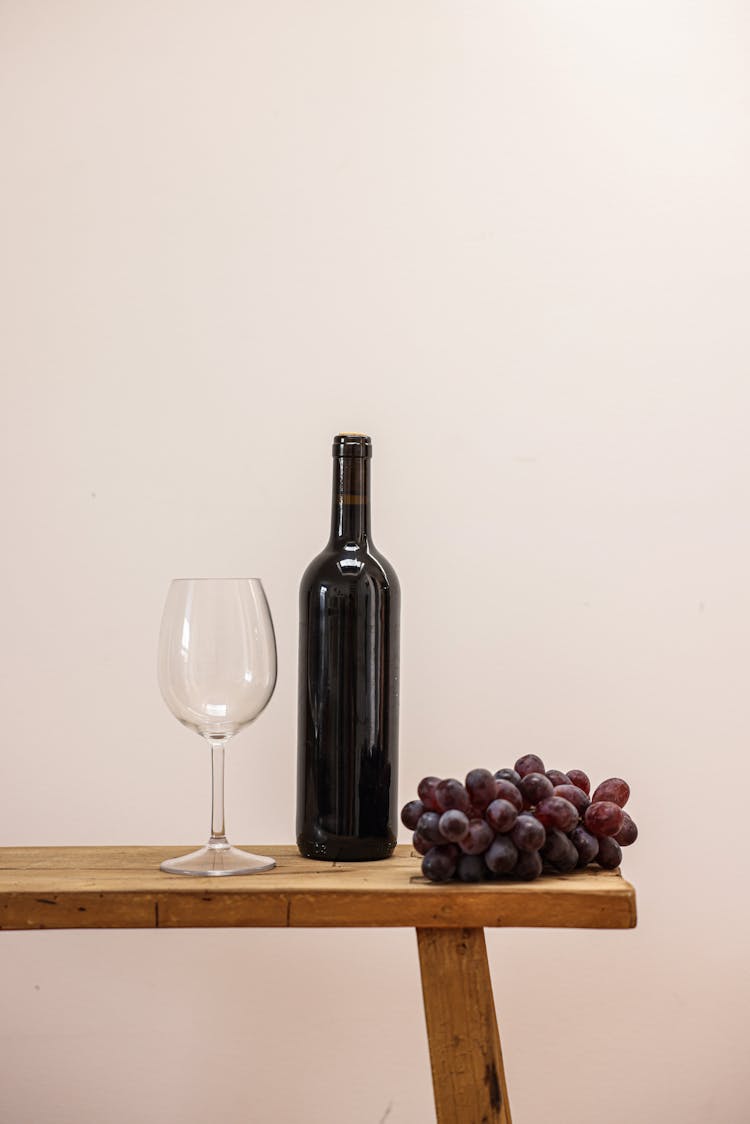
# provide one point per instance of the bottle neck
(350, 509)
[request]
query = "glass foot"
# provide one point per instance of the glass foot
(216, 859)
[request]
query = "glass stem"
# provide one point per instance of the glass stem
(218, 836)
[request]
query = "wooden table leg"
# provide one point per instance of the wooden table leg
(467, 1063)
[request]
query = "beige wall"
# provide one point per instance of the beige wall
(511, 241)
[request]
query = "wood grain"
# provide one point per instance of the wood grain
(468, 1077)
(122, 887)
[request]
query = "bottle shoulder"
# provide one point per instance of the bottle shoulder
(349, 562)
(387, 569)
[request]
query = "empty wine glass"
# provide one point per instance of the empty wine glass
(217, 672)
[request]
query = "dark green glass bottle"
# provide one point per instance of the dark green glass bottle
(347, 800)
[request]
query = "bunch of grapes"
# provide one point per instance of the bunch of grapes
(519, 822)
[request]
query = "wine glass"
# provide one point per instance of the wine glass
(217, 672)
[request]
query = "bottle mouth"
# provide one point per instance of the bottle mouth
(351, 445)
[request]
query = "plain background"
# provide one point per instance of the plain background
(511, 241)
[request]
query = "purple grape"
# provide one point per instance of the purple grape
(501, 855)
(426, 792)
(575, 795)
(586, 844)
(603, 818)
(454, 824)
(567, 860)
(428, 827)
(610, 855)
(529, 763)
(508, 775)
(505, 790)
(411, 812)
(615, 790)
(580, 780)
(451, 793)
(555, 845)
(480, 785)
(528, 867)
(628, 833)
(471, 868)
(439, 864)
(477, 838)
(501, 815)
(420, 844)
(535, 787)
(528, 834)
(557, 812)
(557, 777)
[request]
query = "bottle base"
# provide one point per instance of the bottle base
(345, 850)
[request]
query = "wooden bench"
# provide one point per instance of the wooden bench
(123, 888)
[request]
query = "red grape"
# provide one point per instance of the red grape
(517, 822)
(480, 785)
(426, 792)
(555, 846)
(508, 775)
(610, 855)
(628, 833)
(528, 867)
(411, 812)
(428, 827)
(504, 790)
(615, 790)
(557, 812)
(439, 864)
(451, 793)
(528, 834)
(535, 787)
(580, 780)
(567, 860)
(453, 824)
(603, 818)
(478, 838)
(529, 763)
(501, 815)
(470, 868)
(586, 844)
(575, 795)
(501, 855)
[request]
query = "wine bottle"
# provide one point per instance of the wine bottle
(347, 800)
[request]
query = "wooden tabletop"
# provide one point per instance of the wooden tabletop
(123, 888)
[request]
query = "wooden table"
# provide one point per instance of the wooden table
(123, 888)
